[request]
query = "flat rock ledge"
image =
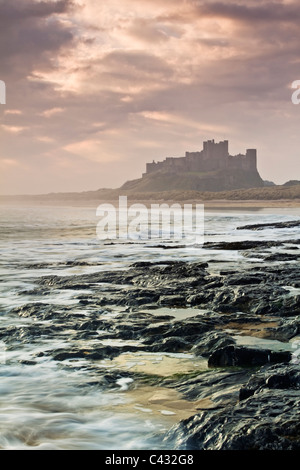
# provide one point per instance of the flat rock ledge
(265, 417)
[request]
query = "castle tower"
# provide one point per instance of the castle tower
(251, 159)
(151, 167)
(215, 154)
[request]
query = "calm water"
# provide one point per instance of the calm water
(45, 404)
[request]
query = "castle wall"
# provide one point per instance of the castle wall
(150, 167)
(214, 156)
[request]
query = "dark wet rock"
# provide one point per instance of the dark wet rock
(264, 416)
(202, 298)
(260, 299)
(134, 298)
(282, 257)
(97, 353)
(141, 285)
(93, 325)
(43, 311)
(287, 329)
(269, 420)
(242, 245)
(172, 301)
(39, 291)
(37, 309)
(229, 300)
(284, 306)
(279, 274)
(241, 279)
(141, 264)
(213, 282)
(273, 225)
(222, 387)
(171, 246)
(179, 284)
(80, 263)
(171, 344)
(190, 329)
(245, 295)
(68, 263)
(243, 298)
(85, 281)
(210, 342)
(176, 276)
(256, 253)
(173, 336)
(272, 377)
(241, 356)
(14, 336)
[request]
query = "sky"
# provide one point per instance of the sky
(96, 89)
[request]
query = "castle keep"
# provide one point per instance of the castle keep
(214, 156)
(211, 169)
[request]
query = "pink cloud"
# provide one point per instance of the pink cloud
(117, 83)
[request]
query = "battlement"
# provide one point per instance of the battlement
(214, 156)
(214, 150)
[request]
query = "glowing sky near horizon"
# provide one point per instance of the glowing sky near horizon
(96, 89)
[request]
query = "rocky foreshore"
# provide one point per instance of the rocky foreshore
(241, 322)
(265, 416)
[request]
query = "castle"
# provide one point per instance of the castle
(211, 169)
(214, 156)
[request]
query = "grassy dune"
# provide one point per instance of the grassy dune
(289, 195)
(267, 193)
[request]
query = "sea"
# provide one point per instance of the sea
(54, 405)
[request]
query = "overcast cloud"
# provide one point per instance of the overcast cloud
(96, 89)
